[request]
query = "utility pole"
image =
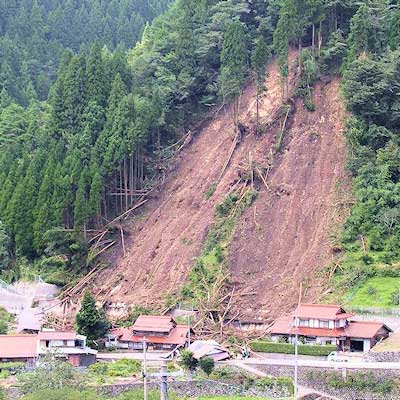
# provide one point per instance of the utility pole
(296, 365)
(144, 372)
(188, 324)
(296, 346)
(164, 383)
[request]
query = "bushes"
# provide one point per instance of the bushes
(286, 348)
(51, 374)
(207, 365)
(12, 366)
(121, 368)
(211, 265)
(281, 382)
(356, 381)
(187, 361)
(5, 321)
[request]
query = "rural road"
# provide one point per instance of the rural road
(317, 363)
(131, 356)
(353, 364)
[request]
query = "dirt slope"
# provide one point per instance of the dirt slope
(291, 241)
(169, 232)
(283, 239)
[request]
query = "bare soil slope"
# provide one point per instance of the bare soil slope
(291, 242)
(168, 233)
(283, 240)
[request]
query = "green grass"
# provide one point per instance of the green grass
(374, 292)
(233, 398)
(121, 368)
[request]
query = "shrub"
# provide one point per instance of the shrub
(207, 365)
(266, 382)
(99, 368)
(287, 348)
(371, 291)
(224, 209)
(187, 360)
(51, 374)
(225, 373)
(121, 368)
(5, 320)
(395, 298)
(4, 375)
(283, 381)
(356, 381)
(210, 191)
(12, 366)
(124, 368)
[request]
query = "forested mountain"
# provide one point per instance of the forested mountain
(74, 162)
(35, 33)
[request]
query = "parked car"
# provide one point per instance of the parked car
(336, 356)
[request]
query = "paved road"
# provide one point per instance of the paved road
(151, 356)
(262, 360)
(320, 364)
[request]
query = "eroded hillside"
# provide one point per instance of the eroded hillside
(282, 240)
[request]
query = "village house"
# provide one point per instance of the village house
(329, 324)
(159, 332)
(29, 349)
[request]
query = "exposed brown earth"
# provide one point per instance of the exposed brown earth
(282, 239)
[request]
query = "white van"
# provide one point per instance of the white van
(336, 356)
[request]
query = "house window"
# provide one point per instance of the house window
(138, 345)
(303, 322)
(324, 324)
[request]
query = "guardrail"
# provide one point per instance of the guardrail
(374, 311)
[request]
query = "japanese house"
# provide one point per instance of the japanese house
(329, 324)
(159, 333)
(68, 346)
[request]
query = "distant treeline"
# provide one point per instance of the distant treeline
(65, 162)
(35, 33)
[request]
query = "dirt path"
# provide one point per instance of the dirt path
(284, 238)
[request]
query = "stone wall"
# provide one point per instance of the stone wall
(305, 378)
(386, 356)
(206, 387)
(187, 389)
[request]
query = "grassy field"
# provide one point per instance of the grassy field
(238, 397)
(375, 292)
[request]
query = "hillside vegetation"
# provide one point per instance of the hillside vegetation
(35, 33)
(70, 164)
